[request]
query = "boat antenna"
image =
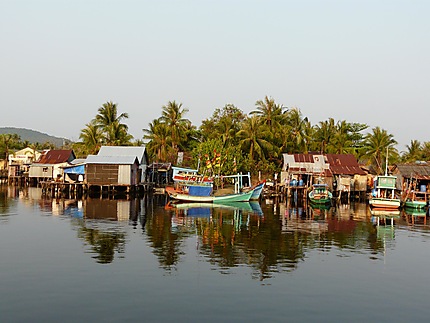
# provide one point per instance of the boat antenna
(386, 163)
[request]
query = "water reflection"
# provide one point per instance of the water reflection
(8, 196)
(416, 217)
(103, 245)
(267, 238)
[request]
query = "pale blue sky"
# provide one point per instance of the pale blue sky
(359, 61)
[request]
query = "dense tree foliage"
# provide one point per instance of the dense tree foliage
(256, 142)
(106, 128)
(230, 141)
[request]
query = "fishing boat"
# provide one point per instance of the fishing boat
(205, 194)
(320, 194)
(184, 176)
(416, 200)
(258, 189)
(384, 193)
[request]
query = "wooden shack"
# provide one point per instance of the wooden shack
(341, 172)
(348, 176)
(137, 151)
(111, 170)
(414, 175)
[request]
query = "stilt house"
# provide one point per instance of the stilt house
(341, 172)
(122, 151)
(50, 165)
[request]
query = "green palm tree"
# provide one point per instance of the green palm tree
(298, 126)
(271, 113)
(118, 135)
(159, 145)
(414, 152)
(110, 123)
(173, 116)
(377, 145)
(341, 142)
(91, 138)
(8, 141)
(426, 150)
(324, 131)
(252, 138)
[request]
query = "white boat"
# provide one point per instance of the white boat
(384, 193)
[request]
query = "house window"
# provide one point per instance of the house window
(45, 169)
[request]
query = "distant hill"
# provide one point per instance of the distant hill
(34, 136)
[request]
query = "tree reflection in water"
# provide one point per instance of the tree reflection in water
(230, 237)
(165, 241)
(274, 242)
(103, 244)
(268, 239)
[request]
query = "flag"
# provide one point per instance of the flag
(208, 163)
(218, 160)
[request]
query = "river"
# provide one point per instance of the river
(146, 260)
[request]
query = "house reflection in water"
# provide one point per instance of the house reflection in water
(106, 240)
(120, 210)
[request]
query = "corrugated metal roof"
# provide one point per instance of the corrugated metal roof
(339, 164)
(111, 160)
(418, 171)
(138, 151)
(56, 156)
(303, 158)
(78, 161)
(344, 164)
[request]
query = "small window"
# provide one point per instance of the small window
(45, 169)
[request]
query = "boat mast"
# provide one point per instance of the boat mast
(386, 163)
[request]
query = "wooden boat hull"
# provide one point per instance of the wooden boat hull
(384, 203)
(258, 189)
(417, 205)
(228, 198)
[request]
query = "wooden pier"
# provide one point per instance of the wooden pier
(72, 190)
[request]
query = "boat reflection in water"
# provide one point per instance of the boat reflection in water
(206, 209)
(414, 216)
(381, 216)
(309, 219)
(268, 238)
(185, 214)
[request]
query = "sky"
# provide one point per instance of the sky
(365, 61)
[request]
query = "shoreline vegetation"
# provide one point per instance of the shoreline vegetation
(238, 142)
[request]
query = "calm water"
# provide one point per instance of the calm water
(142, 260)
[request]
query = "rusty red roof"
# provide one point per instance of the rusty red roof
(340, 164)
(303, 158)
(344, 164)
(57, 157)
